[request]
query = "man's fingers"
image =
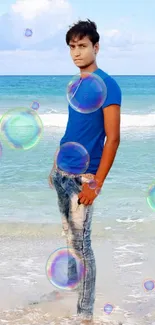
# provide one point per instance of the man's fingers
(82, 200)
(80, 195)
(86, 202)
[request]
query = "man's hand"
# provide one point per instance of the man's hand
(89, 192)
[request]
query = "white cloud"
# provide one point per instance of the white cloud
(44, 17)
(118, 39)
(127, 50)
(110, 33)
(46, 51)
(123, 40)
(29, 9)
(33, 62)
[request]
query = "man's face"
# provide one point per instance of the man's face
(83, 52)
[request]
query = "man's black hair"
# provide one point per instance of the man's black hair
(82, 29)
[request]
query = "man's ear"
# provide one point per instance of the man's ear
(96, 47)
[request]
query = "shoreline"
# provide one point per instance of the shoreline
(106, 228)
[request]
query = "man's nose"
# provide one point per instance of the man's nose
(77, 52)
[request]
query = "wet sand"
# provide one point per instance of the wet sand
(124, 258)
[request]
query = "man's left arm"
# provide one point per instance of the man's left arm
(112, 130)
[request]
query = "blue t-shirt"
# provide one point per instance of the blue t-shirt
(88, 129)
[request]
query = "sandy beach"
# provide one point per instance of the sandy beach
(123, 261)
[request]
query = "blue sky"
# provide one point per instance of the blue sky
(126, 28)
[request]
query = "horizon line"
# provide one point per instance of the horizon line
(62, 75)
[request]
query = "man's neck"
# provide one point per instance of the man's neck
(89, 69)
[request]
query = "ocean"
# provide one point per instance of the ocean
(123, 225)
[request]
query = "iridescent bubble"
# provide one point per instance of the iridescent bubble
(21, 128)
(151, 197)
(64, 268)
(0, 150)
(35, 105)
(92, 184)
(86, 93)
(108, 308)
(28, 32)
(72, 158)
(149, 284)
(98, 191)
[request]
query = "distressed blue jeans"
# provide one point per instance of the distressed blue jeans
(76, 222)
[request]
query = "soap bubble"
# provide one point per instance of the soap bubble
(65, 269)
(28, 32)
(72, 158)
(21, 128)
(149, 285)
(35, 105)
(0, 150)
(98, 191)
(93, 185)
(151, 197)
(86, 93)
(108, 308)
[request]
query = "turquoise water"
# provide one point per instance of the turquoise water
(25, 193)
(50, 91)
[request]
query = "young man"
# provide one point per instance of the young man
(75, 196)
